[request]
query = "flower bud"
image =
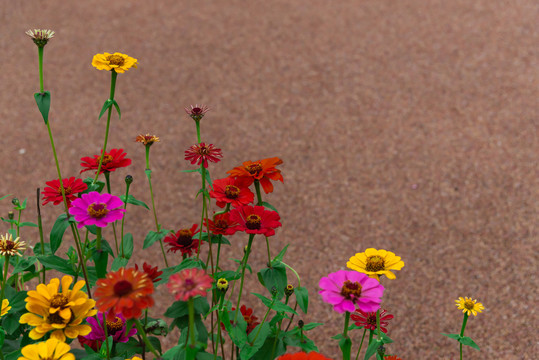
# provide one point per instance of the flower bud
(40, 37)
(274, 291)
(222, 285)
(10, 215)
(289, 290)
(300, 324)
(15, 202)
(128, 179)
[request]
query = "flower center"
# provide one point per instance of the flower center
(106, 159)
(375, 263)
(122, 287)
(9, 245)
(204, 150)
(232, 192)
(189, 284)
(116, 60)
(221, 224)
(196, 111)
(371, 319)
(185, 237)
(67, 190)
(469, 304)
(255, 168)
(114, 326)
(97, 210)
(59, 300)
(253, 222)
(351, 289)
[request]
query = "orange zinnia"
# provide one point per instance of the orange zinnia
(261, 170)
(126, 292)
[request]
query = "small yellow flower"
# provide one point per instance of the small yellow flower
(470, 306)
(375, 263)
(59, 312)
(222, 284)
(40, 37)
(11, 247)
(147, 139)
(52, 349)
(5, 307)
(134, 358)
(117, 62)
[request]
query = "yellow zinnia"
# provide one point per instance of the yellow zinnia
(470, 306)
(11, 247)
(52, 349)
(117, 62)
(5, 307)
(376, 262)
(62, 312)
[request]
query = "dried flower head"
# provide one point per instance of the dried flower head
(40, 37)
(11, 247)
(197, 112)
(147, 139)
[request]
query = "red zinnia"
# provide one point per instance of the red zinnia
(202, 153)
(232, 191)
(71, 185)
(197, 112)
(152, 272)
(392, 357)
(221, 224)
(248, 316)
(183, 241)
(112, 160)
(368, 319)
(261, 170)
(255, 220)
(126, 292)
(303, 356)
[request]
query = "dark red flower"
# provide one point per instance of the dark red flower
(183, 241)
(255, 220)
(368, 319)
(232, 191)
(221, 224)
(71, 185)
(152, 272)
(197, 112)
(392, 357)
(303, 356)
(91, 343)
(261, 170)
(202, 153)
(248, 316)
(112, 160)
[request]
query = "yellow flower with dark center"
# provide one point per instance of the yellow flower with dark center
(11, 247)
(5, 307)
(118, 62)
(52, 349)
(375, 263)
(59, 312)
(470, 306)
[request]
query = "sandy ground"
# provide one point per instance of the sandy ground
(404, 125)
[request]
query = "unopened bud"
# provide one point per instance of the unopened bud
(289, 290)
(300, 324)
(15, 202)
(10, 215)
(222, 285)
(274, 291)
(128, 179)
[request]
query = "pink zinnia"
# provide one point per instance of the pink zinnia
(96, 209)
(202, 153)
(255, 220)
(189, 283)
(347, 289)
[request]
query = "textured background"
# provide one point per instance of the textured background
(404, 125)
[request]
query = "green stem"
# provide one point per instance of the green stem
(370, 336)
(98, 239)
(378, 324)
(258, 193)
(244, 265)
(197, 123)
(107, 179)
(158, 229)
(142, 332)
(4, 278)
(105, 329)
(191, 306)
(361, 344)
(40, 53)
(346, 322)
(123, 218)
(464, 321)
(203, 189)
(40, 226)
(264, 320)
(294, 271)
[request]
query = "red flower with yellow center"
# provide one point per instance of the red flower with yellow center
(255, 220)
(222, 225)
(53, 193)
(261, 170)
(183, 240)
(111, 161)
(126, 292)
(232, 191)
(202, 154)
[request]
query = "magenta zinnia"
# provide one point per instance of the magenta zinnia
(96, 209)
(346, 289)
(368, 319)
(202, 153)
(189, 283)
(255, 220)
(116, 328)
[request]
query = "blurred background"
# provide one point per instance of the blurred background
(404, 125)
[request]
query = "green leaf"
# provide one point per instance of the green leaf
(57, 232)
(311, 326)
(127, 249)
(269, 206)
(2, 337)
(98, 186)
(106, 105)
(274, 277)
(43, 101)
(346, 347)
(27, 223)
(280, 255)
(131, 200)
(101, 259)
(148, 174)
(302, 297)
(5, 196)
(24, 264)
(152, 237)
(452, 336)
(372, 349)
(56, 263)
(118, 263)
(250, 348)
(16, 301)
(117, 109)
(10, 322)
(465, 340)
(179, 308)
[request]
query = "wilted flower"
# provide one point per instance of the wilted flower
(147, 139)
(197, 112)
(40, 37)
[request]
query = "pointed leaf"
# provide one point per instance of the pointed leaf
(106, 105)
(302, 297)
(117, 109)
(152, 237)
(57, 232)
(43, 101)
(269, 206)
(465, 340)
(127, 249)
(131, 200)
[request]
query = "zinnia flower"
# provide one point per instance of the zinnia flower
(261, 170)
(347, 289)
(368, 319)
(147, 139)
(126, 292)
(303, 356)
(52, 349)
(249, 318)
(255, 220)
(152, 272)
(202, 153)
(5, 307)
(40, 37)
(59, 312)
(183, 241)
(72, 186)
(11, 247)
(115, 328)
(470, 306)
(197, 112)
(189, 283)
(232, 191)
(96, 209)
(376, 262)
(118, 62)
(221, 224)
(392, 357)
(113, 160)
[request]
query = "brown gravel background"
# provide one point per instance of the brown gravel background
(404, 125)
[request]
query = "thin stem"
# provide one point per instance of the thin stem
(294, 271)
(4, 278)
(244, 265)
(40, 226)
(142, 332)
(105, 329)
(98, 238)
(107, 179)
(191, 306)
(346, 322)
(127, 185)
(264, 320)
(361, 344)
(258, 193)
(464, 321)
(40, 53)
(197, 123)
(149, 176)
(203, 189)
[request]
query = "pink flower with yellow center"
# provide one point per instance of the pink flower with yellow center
(96, 209)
